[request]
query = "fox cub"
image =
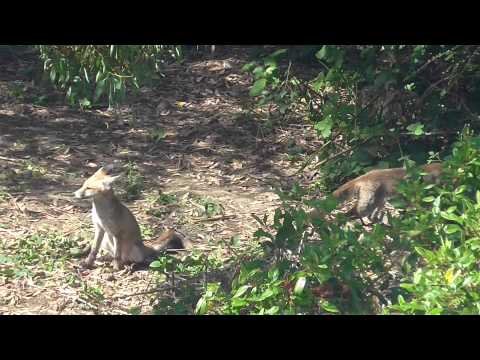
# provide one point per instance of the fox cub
(116, 230)
(374, 187)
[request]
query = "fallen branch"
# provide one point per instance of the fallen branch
(267, 181)
(142, 293)
(9, 159)
(215, 218)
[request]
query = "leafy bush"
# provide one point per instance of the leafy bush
(90, 73)
(424, 262)
(374, 103)
(446, 240)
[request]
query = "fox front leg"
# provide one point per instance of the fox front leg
(117, 263)
(97, 240)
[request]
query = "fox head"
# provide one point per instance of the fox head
(98, 183)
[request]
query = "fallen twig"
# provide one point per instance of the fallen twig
(215, 218)
(146, 292)
(9, 159)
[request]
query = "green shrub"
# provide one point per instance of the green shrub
(90, 73)
(425, 262)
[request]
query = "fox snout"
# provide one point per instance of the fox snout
(79, 194)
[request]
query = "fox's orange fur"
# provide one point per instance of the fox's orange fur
(116, 229)
(374, 187)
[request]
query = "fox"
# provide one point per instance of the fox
(116, 229)
(375, 187)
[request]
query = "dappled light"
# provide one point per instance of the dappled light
(293, 179)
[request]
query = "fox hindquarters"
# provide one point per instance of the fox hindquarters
(116, 229)
(373, 188)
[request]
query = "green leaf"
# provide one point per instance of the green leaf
(410, 87)
(270, 70)
(266, 294)
(249, 66)
(283, 108)
(99, 89)
(258, 87)
(452, 228)
(321, 53)
(6, 259)
(416, 129)
(259, 72)
(53, 74)
(239, 303)
(278, 53)
(408, 287)
(118, 84)
(84, 103)
(86, 75)
(329, 307)
(99, 74)
(242, 290)
(134, 310)
(300, 285)
(213, 287)
(201, 308)
(155, 264)
(414, 233)
(273, 274)
(262, 233)
(318, 82)
(451, 217)
(324, 127)
(273, 310)
(429, 199)
(427, 254)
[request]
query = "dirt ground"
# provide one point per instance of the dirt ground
(194, 138)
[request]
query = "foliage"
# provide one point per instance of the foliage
(90, 73)
(269, 86)
(35, 254)
(446, 239)
(208, 207)
(184, 290)
(309, 265)
(160, 203)
(367, 101)
(134, 182)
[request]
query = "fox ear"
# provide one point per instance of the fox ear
(108, 169)
(110, 180)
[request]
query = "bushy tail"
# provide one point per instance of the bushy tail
(345, 192)
(171, 240)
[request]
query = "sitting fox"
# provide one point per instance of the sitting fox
(116, 230)
(374, 187)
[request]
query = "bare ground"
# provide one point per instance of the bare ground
(192, 137)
